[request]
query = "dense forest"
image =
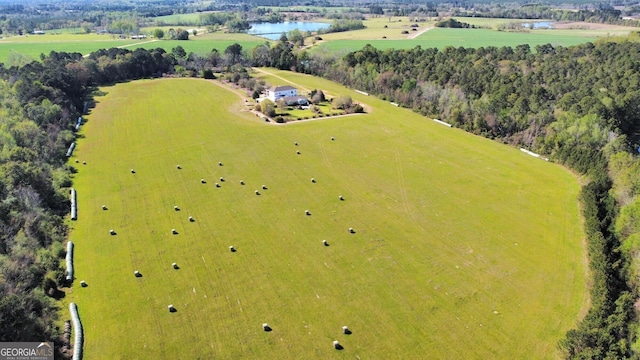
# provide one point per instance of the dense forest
(579, 105)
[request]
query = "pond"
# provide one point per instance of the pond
(273, 31)
(538, 25)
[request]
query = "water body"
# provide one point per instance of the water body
(539, 25)
(274, 31)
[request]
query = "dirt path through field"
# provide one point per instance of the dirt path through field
(413, 36)
(138, 43)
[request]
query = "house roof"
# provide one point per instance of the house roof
(282, 88)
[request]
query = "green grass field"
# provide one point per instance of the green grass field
(469, 38)
(32, 46)
(463, 247)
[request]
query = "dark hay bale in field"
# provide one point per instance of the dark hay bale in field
(175, 266)
(337, 345)
(346, 330)
(191, 219)
(174, 231)
(232, 249)
(266, 327)
(171, 308)
(112, 232)
(137, 273)
(83, 283)
(351, 230)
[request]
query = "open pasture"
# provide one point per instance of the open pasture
(469, 38)
(34, 45)
(461, 247)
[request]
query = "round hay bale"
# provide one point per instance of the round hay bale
(104, 207)
(217, 184)
(345, 330)
(264, 187)
(295, 143)
(266, 327)
(351, 230)
(171, 308)
(257, 192)
(191, 219)
(176, 208)
(133, 171)
(178, 167)
(341, 198)
(174, 231)
(175, 266)
(221, 179)
(112, 232)
(307, 212)
(232, 249)
(220, 163)
(77, 161)
(298, 152)
(83, 283)
(336, 345)
(332, 138)
(313, 180)
(84, 163)
(241, 182)
(325, 243)
(137, 273)
(203, 181)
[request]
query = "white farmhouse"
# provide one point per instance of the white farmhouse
(278, 92)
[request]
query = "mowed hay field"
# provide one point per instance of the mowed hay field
(463, 248)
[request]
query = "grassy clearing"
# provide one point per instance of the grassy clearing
(33, 46)
(474, 38)
(437, 267)
(202, 44)
(45, 44)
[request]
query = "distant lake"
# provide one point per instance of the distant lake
(539, 25)
(274, 31)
